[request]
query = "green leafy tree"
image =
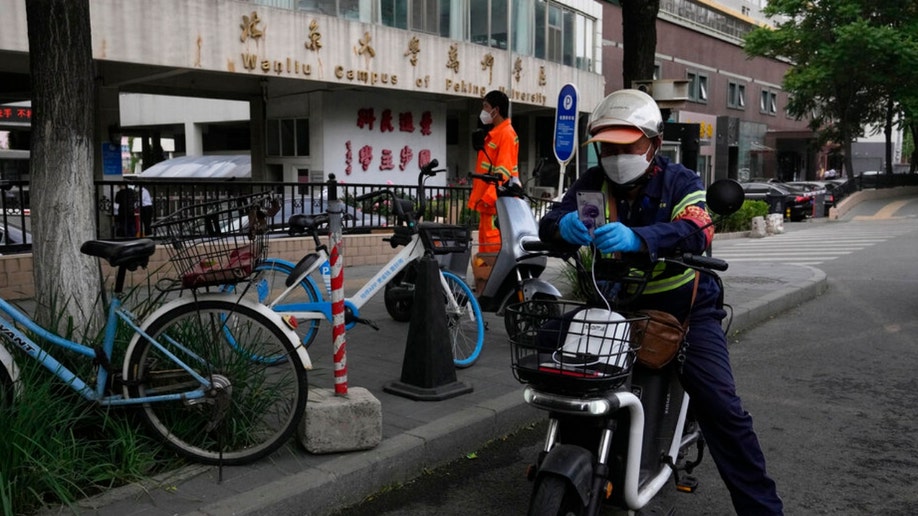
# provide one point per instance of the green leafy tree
(845, 55)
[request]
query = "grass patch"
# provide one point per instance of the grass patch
(58, 448)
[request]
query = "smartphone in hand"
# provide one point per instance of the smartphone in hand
(591, 207)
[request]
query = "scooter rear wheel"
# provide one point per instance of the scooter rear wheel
(555, 496)
(399, 294)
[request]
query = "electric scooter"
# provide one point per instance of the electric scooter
(618, 431)
(515, 272)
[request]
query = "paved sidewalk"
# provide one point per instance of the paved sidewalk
(416, 434)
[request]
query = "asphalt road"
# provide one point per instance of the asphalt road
(831, 385)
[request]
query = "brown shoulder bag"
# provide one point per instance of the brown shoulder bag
(663, 335)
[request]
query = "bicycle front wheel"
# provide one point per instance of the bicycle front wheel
(251, 405)
(466, 326)
(269, 281)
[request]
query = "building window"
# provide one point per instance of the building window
(427, 16)
(553, 26)
(349, 9)
(695, 14)
(523, 26)
(488, 23)
(565, 36)
(698, 87)
(394, 13)
(287, 137)
(657, 70)
(736, 95)
(768, 102)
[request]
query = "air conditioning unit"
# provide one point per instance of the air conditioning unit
(669, 93)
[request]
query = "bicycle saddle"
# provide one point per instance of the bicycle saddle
(127, 253)
(302, 223)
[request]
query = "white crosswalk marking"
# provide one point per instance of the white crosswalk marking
(812, 246)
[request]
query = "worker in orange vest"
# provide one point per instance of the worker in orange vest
(499, 156)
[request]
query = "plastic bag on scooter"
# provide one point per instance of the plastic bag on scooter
(596, 341)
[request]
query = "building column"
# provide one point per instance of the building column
(258, 148)
(194, 139)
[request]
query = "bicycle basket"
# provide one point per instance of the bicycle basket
(566, 347)
(444, 238)
(218, 242)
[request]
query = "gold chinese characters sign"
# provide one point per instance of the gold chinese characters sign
(314, 50)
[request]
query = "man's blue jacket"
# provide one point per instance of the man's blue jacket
(666, 214)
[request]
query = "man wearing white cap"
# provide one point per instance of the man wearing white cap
(653, 207)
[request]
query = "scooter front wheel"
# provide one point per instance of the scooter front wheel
(542, 305)
(555, 496)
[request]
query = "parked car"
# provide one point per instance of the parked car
(868, 179)
(796, 204)
(352, 219)
(817, 188)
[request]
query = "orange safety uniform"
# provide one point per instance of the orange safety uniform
(499, 156)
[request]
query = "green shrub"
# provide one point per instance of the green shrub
(742, 219)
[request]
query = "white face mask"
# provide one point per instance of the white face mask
(623, 168)
(486, 117)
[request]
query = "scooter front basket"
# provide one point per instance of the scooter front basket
(445, 238)
(572, 348)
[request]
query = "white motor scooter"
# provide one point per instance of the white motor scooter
(514, 270)
(617, 431)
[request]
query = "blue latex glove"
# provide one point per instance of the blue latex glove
(573, 230)
(616, 237)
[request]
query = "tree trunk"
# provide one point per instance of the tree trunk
(639, 38)
(61, 182)
(913, 160)
(888, 131)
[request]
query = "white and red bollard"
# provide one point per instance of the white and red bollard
(330, 411)
(339, 335)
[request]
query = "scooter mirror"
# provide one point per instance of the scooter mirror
(725, 197)
(478, 139)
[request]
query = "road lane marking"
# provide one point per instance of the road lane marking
(886, 212)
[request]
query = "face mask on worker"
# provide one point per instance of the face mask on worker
(624, 168)
(486, 117)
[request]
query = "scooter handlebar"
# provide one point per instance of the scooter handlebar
(488, 178)
(705, 262)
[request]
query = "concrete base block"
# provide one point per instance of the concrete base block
(774, 224)
(341, 423)
(758, 228)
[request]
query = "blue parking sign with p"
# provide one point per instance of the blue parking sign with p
(566, 123)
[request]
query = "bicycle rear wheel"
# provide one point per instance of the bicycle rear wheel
(269, 281)
(255, 399)
(465, 323)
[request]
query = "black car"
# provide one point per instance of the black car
(795, 203)
(817, 188)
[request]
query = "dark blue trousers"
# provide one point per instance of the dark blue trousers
(727, 427)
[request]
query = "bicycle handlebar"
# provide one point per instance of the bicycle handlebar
(402, 206)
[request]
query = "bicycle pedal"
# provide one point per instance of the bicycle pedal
(687, 484)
